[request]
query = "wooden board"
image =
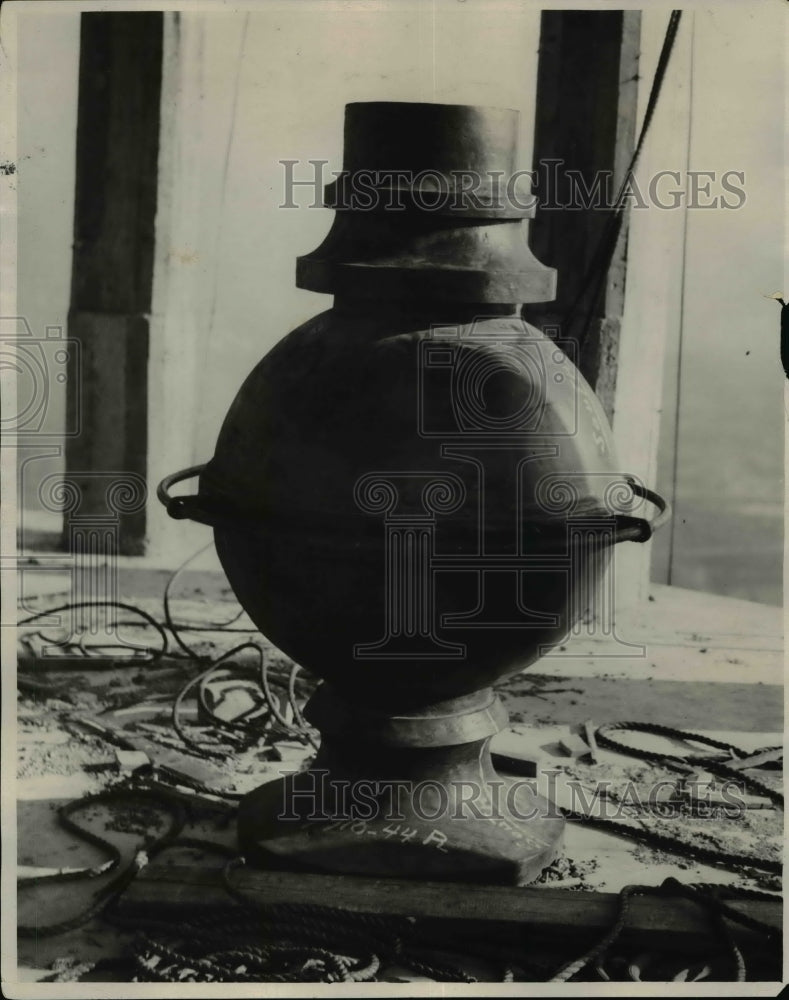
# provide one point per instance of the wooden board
(112, 270)
(676, 924)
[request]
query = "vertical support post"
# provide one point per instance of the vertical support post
(587, 90)
(653, 308)
(112, 271)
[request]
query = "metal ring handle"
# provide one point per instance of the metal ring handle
(638, 529)
(182, 507)
(197, 508)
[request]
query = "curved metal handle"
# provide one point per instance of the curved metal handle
(201, 509)
(638, 529)
(183, 507)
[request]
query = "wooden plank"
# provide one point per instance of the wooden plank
(111, 412)
(195, 94)
(654, 287)
(676, 923)
(600, 348)
(587, 89)
(680, 635)
(112, 270)
(117, 151)
(588, 107)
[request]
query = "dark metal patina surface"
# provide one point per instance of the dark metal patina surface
(414, 495)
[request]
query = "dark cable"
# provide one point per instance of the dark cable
(155, 654)
(600, 263)
(604, 738)
(193, 626)
(115, 887)
(166, 607)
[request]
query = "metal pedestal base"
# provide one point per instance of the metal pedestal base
(405, 796)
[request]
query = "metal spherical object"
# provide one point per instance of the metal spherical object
(414, 495)
(367, 443)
